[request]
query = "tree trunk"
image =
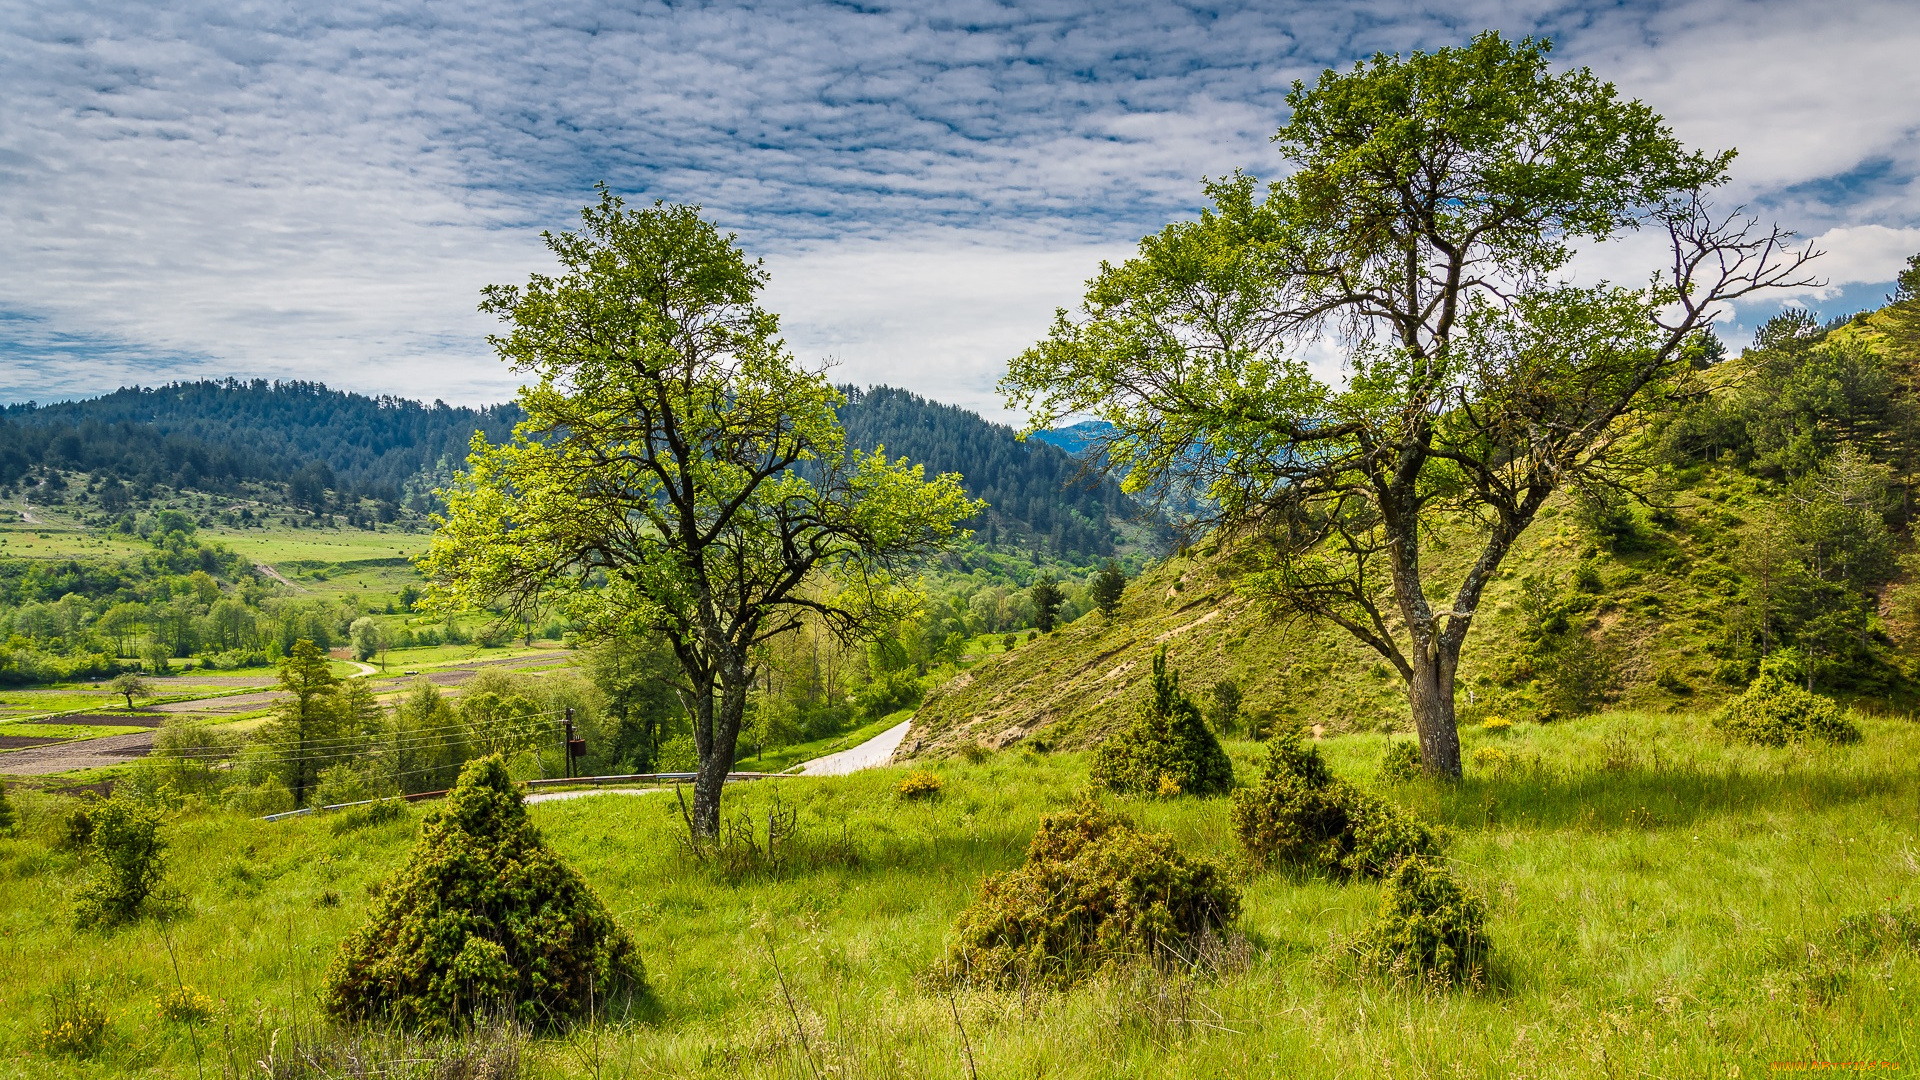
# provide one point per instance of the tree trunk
(718, 761)
(1430, 692)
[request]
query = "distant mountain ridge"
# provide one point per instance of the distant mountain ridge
(1075, 439)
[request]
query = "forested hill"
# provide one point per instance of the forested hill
(1037, 493)
(329, 448)
(215, 434)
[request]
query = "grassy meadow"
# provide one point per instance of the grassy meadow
(1661, 904)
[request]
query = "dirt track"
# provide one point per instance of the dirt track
(77, 754)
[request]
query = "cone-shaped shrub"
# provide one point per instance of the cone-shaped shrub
(1169, 749)
(1094, 890)
(1302, 816)
(1775, 710)
(483, 916)
(1430, 926)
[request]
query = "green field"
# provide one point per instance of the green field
(1662, 905)
(68, 731)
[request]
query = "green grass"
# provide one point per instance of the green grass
(1655, 898)
(69, 731)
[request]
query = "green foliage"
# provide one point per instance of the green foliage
(129, 685)
(484, 915)
(1907, 284)
(1167, 744)
(1775, 710)
(369, 637)
(891, 691)
(128, 859)
(1038, 502)
(1303, 817)
(1605, 513)
(308, 719)
(1430, 928)
(7, 818)
(339, 785)
(1225, 711)
(1093, 891)
(692, 482)
(1400, 763)
(1432, 202)
(1109, 585)
(1047, 598)
(182, 1004)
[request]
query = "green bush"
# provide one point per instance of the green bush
(1093, 891)
(1430, 926)
(269, 796)
(128, 859)
(77, 828)
(484, 915)
(889, 692)
(339, 785)
(6, 811)
(1168, 750)
(1401, 763)
(1775, 710)
(1301, 816)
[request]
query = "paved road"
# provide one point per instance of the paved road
(874, 751)
(870, 754)
(553, 796)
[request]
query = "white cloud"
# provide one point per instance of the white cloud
(319, 192)
(1863, 254)
(939, 318)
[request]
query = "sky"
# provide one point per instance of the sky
(251, 188)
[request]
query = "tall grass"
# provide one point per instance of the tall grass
(1660, 903)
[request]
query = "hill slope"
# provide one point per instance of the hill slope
(1784, 499)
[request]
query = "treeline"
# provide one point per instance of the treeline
(329, 450)
(217, 435)
(1037, 496)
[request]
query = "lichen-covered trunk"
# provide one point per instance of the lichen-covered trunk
(1430, 693)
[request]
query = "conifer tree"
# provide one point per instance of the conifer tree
(1108, 586)
(1168, 750)
(484, 915)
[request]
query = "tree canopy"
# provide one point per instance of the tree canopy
(678, 472)
(1425, 237)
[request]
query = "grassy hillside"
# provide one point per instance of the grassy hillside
(1658, 608)
(1660, 904)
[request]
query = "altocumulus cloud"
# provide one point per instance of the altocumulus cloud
(320, 191)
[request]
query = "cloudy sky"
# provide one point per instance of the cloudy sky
(319, 191)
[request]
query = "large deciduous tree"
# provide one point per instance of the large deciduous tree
(677, 472)
(1425, 238)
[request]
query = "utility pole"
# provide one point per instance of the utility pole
(569, 744)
